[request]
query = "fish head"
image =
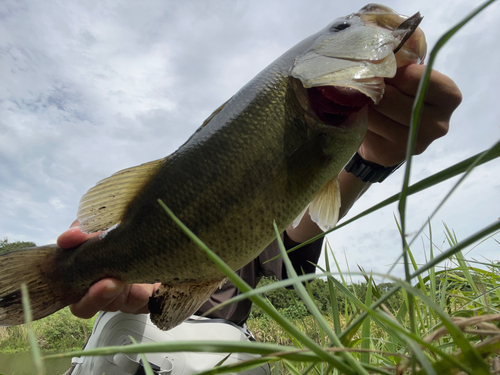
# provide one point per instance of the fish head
(342, 69)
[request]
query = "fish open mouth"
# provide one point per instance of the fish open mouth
(334, 104)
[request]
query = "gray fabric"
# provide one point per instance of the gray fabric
(253, 272)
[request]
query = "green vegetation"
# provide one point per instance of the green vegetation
(288, 303)
(58, 332)
(6, 246)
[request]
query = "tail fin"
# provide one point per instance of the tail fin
(27, 266)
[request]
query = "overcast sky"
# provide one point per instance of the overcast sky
(89, 88)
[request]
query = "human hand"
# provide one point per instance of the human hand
(388, 122)
(107, 294)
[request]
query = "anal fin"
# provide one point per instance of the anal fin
(174, 303)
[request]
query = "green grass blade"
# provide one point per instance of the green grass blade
(432, 271)
(411, 258)
(236, 368)
(443, 287)
(308, 369)
(291, 368)
(281, 351)
(333, 299)
(406, 255)
(341, 274)
(301, 316)
(145, 363)
(365, 330)
(28, 317)
(466, 270)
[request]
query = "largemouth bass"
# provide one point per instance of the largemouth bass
(269, 153)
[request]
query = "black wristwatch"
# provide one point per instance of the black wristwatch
(368, 171)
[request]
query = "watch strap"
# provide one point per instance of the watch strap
(368, 171)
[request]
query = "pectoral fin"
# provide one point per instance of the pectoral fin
(325, 206)
(104, 205)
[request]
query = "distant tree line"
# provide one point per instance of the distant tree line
(6, 246)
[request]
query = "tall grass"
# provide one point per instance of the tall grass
(447, 324)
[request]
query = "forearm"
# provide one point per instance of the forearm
(351, 188)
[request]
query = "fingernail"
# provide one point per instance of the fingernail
(110, 291)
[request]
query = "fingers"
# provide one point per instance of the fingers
(442, 91)
(107, 294)
(73, 237)
(442, 98)
(389, 121)
(113, 295)
(397, 106)
(387, 127)
(138, 298)
(373, 143)
(100, 295)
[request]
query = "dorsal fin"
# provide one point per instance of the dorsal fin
(104, 205)
(215, 113)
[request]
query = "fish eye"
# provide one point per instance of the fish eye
(339, 26)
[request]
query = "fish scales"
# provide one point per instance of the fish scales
(262, 157)
(223, 206)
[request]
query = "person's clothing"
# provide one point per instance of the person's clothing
(303, 261)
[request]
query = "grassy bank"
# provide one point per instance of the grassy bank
(61, 331)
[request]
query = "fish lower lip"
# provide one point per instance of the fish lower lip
(333, 105)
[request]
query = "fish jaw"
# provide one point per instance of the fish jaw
(334, 106)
